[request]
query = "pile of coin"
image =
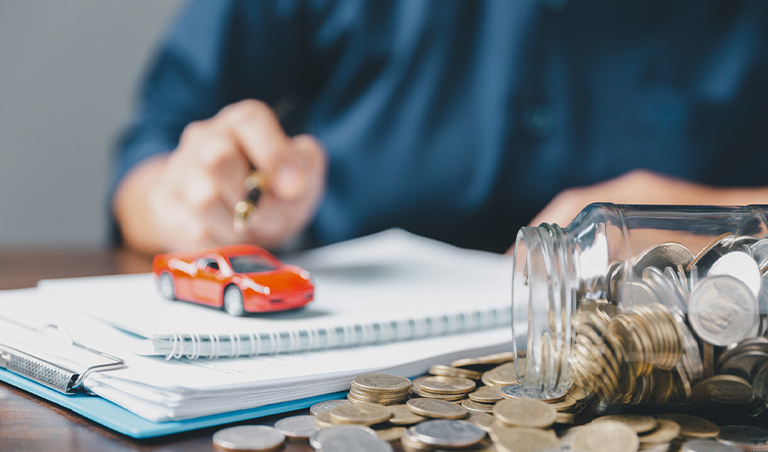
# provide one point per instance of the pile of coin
(500, 418)
(671, 328)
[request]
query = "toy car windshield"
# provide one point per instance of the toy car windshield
(250, 263)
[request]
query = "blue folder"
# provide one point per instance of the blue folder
(119, 419)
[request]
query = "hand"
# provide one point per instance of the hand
(634, 187)
(642, 187)
(185, 200)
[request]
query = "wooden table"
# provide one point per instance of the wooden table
(29, 423)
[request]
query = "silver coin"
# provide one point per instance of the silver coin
(635, 293)
(448, 433)
(664, 290)
(249, 438)
(341, 431)
(760, 382)
(759, 344)
(708, 445)
(760, 253)
(300, 427)
(713, 252)
(663, 255)
(691, 352)
(744, 364)
(327, 406)
(743, 436)
(517, 391)
(742, 267)
(356, 444)
(613, 278)
(681, 288)
(722, 310)
(693, 278)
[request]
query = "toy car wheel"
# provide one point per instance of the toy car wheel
(165, 284)
(233, 301)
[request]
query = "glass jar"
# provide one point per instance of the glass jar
(645, 304)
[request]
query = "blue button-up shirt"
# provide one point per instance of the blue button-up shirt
(460, 120)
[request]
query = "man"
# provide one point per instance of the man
(456, 120)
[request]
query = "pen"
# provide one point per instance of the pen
(254, 184)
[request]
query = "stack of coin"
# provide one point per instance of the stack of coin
(451, 389)
(379, 388)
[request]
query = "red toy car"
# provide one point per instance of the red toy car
(241, 279)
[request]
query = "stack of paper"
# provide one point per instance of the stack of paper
(391, 277)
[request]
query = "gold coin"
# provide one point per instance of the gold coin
(378, 395)
(448, 371)
(437, 409)
(390, 433)
(722, 238)
(476, 406)
(486, 381)
(525, 413)
(503, 375)
(447, 385)
(608, 436)
(665, 432)
(402, 415)
(355, 399)
(567, 405)
(360, 413)
(431, 395)
(482, 420)
(726, 389)
(638, 423)
(523, 439)
(382, 383)
(323, 420)
(498, 358)
(692, 426)
(411, 444)
(565, 418)
(486, 394)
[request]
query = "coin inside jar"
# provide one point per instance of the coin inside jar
(722, 297)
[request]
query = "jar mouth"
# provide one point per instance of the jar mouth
(521, 299)
(542, 304)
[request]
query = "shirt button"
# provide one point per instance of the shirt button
(538, 121)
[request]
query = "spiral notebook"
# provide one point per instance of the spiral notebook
(388, 287)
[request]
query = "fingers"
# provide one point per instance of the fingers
(257, 133)
(634, 187)
(193, 194)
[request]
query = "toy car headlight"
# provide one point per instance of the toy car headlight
(256, 287)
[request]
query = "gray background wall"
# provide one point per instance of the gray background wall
(68, 76)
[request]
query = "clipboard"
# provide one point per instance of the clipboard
(123, 421)
(61, 384)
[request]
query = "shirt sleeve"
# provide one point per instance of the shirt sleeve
(215, 53)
